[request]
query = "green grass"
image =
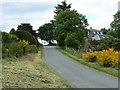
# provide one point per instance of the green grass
(30, 71)
(74, 56)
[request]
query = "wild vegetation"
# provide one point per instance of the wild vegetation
(13, 46)
(68, 24)
(106, 58)
(72, 35)
(24, 65)
(30, 71)
(46, 32)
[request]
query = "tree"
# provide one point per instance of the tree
(112, 32)
(12, 31)
(62, 7)
(72, 41)
(109, 31)
(46, 32)
(69, 21)
(27, 27)
(116, 23)
(104, 30)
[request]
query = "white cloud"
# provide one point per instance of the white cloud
(100, 12)
(101, 22)
(41, 1)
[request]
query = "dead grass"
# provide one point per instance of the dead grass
(30, 71)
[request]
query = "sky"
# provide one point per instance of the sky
(38, 12)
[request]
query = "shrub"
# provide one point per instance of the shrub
(8, 38)
(95, 42)
(32, 49)
(12, 49)
(25, 35)
(105, 44)
(71, 41)
(106, 58)
(61, 40)
(24, 44)
(116, 44)
(12, 31)
(90, 56)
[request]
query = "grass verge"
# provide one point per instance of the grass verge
(109, 71)
(30, 71)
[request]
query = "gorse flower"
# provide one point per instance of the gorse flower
(107, 58)
(89, 56)
(24, 43)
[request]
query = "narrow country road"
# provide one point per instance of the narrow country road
(75, 73)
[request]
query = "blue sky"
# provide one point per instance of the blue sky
(37, 12)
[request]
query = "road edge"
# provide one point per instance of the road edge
(86, 64)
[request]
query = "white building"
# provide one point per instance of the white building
(94, 34)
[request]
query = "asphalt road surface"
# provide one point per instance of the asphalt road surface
(77, 74)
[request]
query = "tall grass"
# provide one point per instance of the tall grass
(77, 53)
(32, 49)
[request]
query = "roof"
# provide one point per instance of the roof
(94, 30)
(104, 36)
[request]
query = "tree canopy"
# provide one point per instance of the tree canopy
(116, 23)
(62, 7)
(8, 38)
(12, 31)
(109, 31)
(46, 32)
(25, 35)
(69, 21)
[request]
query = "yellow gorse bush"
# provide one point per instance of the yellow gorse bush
(106, 58)
(24, 43)
(89, 56)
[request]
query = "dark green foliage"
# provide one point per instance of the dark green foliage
(63, 7)
(104, 30)
(27, 27)
(72, 41)
(109, 32)
(60, 39)
(95, 42)
(12, 31)
(116, 23)
(32, 49)
(46, 32)
(70, 21)
(112, 32)
(116, 44)
(12, 49)
(25, 35)
(100, 45)
(105, 44)
(8, 38)
(10, 45)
